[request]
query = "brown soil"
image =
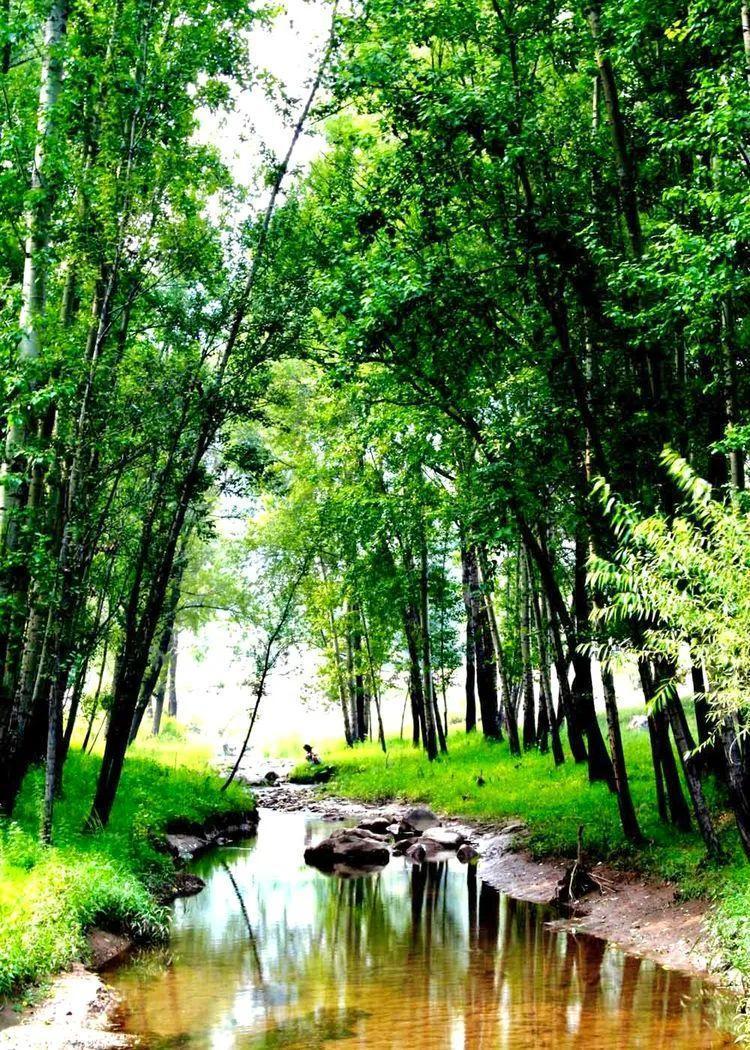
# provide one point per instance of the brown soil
(77, 1015)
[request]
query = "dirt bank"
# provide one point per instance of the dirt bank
(640, 916)
(76, 1015)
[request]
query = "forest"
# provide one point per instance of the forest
(479, 370)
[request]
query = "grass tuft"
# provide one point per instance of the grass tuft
(50, 897)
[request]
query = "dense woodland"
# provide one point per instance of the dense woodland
(481, 370)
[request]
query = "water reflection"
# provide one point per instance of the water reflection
(274, 954)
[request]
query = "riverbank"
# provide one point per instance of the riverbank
(481, 782)
(116, 880)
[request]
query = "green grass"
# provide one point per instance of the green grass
(552, 803)
(49, 897)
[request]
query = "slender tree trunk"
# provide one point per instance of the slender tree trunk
(737, 779)
(430, 703)
(600, 763)
(628, 817)
(159, 695)
(485, 669)
(695, 789)
(374, 686)
(471, 699)
(625, 165)
(542, 630)
(663, 758)
(412, 632)
(529, 714)
(172, 686)
(506, 712)
(745, 14)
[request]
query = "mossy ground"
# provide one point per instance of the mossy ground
(49, 897)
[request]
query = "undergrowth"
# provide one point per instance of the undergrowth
(49, 897)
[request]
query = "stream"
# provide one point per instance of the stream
(273, 954)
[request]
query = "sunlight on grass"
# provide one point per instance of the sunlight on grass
(49, 897)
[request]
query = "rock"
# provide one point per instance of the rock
(421, 818)
(187, 839)
(466, 853)
(364, 833)
(425, 849)
(106, 949)
(444, 837)
(353, 847)
(638, 722)
(401, 847)
(380, 825)
(322, 774)
(417, 852)
(402, 830)
(182, 884)
(271, 777)
(185, 847)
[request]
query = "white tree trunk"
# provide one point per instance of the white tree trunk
(34, 277)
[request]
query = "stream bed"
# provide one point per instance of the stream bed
(274, 954)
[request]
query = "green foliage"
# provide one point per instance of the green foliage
(686, 578)
(49, 897)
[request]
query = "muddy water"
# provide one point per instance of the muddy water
(273, 954)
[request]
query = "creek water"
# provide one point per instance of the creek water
(273, 954)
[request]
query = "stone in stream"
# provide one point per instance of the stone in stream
(401, 830)
(425, 849)
(421, 818)
(466, 853)
(444, 837)
(380, 825)
(354, 847)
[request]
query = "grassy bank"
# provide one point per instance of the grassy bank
(49, 897)
(483, 781)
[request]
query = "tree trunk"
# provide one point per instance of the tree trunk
(506, 707)
(628, 817)
(430, 701)
(625, 165)
(172, 686)
(663, 758)
(412, 633)
(737, 779)
(485, 669)
(529, 714)
(471, 699)
(161, 690)
(542, 630)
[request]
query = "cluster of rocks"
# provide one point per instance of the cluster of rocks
(186, 839)
(417, 835)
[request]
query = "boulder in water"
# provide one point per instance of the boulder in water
(354, 847)
(466, 853)
(444, 837)
(380, 825)
(401, 830)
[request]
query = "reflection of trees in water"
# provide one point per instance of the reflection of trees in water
(429, 947)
